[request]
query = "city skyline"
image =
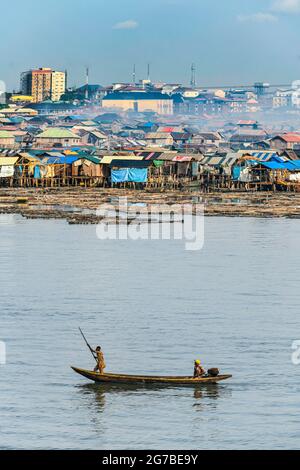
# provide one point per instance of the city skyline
(255, 41)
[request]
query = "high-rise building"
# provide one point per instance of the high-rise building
(58, 85)
(26, 83)
(43, 84)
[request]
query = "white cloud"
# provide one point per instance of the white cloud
(128, 24)
(260, 17)
(286, 6)
(272, 15)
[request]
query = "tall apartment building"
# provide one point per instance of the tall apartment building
(58, 86)
(43, 84)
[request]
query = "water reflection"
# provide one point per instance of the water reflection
(96, 395)
(200, 394)
(211, 392)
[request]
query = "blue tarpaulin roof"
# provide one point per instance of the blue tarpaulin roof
(293, 165)
(61, 160)
(274, 165)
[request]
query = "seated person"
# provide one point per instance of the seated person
(198, 369)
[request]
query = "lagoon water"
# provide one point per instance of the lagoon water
(154, 308)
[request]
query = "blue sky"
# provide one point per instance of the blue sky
(230, 41)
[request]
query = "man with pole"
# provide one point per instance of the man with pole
(100, 360)
(97, 355)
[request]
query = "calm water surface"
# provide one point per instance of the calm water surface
(153, 307)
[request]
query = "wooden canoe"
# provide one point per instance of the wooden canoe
(147, 379)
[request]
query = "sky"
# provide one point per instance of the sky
(231, 42)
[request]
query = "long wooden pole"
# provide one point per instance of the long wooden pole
(90, 348)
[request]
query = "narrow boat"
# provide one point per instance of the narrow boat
(147, 379)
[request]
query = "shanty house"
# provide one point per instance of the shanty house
(248, 136)
(280, 173)
(7, 139)
(129, 171)
(56, 166)
(208, 137)
(89, 166)
(181, 138)
(93, 137)
(56, 137)
(159, 139)
(7, 166)
(288, 141)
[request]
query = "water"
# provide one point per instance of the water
(154, 308)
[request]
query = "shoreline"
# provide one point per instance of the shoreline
(78, 206)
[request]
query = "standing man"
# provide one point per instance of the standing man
(100, 360)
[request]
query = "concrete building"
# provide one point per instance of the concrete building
(139, 101)
(282, 99)
(58, 85)
(43, 84)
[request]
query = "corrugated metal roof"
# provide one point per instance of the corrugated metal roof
(6, 135)
(158, 135)
(149, 155)
(108, 158)
(131, 163)
(8, 161)
(213, 160)
(57, 133)
(230, 158)
(289, 137)
(182, 158)
(264, 156)
(8, 152)
(167, 156)
(87, 158)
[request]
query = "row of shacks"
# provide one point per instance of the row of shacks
(86, 167)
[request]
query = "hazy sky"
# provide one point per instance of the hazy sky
(230, 41)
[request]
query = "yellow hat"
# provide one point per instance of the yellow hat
(198, 361)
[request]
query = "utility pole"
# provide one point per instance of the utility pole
(148, 72)
(87, 84)
(193, 76)
(133, 75)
